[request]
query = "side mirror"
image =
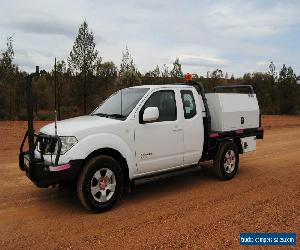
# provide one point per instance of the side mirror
(151, 114)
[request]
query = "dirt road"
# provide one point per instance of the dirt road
(193, 210)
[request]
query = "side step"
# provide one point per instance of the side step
(163, 175)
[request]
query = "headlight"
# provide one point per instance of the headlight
(67, 142)
(49, 145)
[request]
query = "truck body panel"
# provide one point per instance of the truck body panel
(232, 111)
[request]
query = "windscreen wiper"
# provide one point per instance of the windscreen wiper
(101, 114)
(116, 116)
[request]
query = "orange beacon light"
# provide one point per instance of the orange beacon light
(188, 77)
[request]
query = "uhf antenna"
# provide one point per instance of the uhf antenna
(55, 98)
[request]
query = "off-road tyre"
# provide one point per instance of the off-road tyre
(85, 183)
(226, 170)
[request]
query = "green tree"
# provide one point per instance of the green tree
(165, 75)
(216, 78)
(128, 74)
(61, 67)
(153, 73)
(129, 78)
(272, 70)
(107, 70)
(264, 86)
(8, 73)
(216, 74)
(84, 57)
(156, 72)
(127, 63)
(176, 72)
(165, 71)
(288, 91)
(7, 67)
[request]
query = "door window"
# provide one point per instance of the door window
(165, 102)
(189, 105)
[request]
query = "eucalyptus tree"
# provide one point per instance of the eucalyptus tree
(84, 57)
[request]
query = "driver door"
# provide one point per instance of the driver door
(159, 144)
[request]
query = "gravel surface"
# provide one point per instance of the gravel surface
(192, 210)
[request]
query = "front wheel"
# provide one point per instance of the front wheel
(226, 161)
(100, 183)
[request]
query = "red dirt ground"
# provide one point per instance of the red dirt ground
(192, 210)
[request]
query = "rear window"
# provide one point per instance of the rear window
(189, 106)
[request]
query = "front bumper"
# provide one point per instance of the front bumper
(43, 175)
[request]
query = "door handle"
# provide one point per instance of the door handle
(175, 129)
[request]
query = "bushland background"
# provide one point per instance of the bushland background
(84, 80)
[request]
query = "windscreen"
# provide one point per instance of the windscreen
(120, 104)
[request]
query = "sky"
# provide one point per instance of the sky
(235, 36)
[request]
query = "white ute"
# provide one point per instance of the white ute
(144, 131)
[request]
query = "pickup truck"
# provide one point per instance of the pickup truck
(144, 131)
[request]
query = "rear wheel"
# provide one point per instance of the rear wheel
(100, 183)
(226, 161)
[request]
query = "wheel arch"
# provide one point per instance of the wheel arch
(238, 143)
(115, 154)
(235, 140)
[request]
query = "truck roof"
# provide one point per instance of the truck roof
(178, 85)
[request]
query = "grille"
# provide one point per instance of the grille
(47, 145)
